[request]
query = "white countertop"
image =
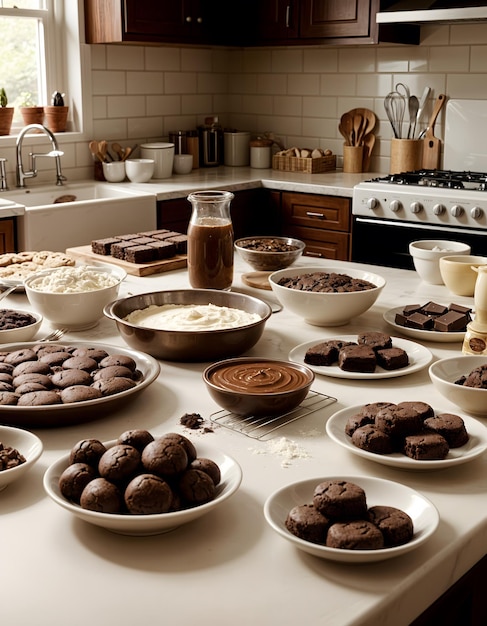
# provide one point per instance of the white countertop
(229, 567)
(334, 183)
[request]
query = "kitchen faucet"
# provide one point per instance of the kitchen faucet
(3, 175)
(54, 153)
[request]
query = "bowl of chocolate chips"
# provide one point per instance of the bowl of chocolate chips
(267, 254)
(17, 325)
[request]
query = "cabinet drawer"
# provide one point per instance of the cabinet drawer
(324, 244)
(326, 212)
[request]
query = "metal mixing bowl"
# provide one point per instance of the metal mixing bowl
(190, 346)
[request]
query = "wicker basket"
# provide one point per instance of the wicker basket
(308, 165)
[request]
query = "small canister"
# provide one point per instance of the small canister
(193, 145)
(179, 139)
(260, 153)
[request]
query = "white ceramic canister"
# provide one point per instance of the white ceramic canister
(236, 151)
(260, 153)
(163, 156)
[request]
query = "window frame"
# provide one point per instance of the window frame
(68, 65)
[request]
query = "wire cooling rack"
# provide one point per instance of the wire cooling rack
(263, 427)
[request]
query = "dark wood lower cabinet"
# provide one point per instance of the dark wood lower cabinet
(7, 235)
(463, 604)
(251, 211)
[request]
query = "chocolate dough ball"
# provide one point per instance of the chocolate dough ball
(113, 371)
(196, 487)
(164, 458)
(138, 438)
(74, 479)
(208, 467)
(147, 494)
(182, 441)
(119, 359)
(102, 496)
(87, 451)
(119, 463)
(110, 386)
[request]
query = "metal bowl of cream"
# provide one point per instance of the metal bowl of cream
(213, 324)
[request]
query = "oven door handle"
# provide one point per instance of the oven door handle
(399, 224)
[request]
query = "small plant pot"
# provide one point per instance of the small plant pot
(32, 115)
(6, 116)
(56, 118)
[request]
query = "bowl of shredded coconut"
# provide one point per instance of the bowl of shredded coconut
(190, 325)
(74, 297)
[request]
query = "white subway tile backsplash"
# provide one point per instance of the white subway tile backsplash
(162, 59)
(106, 83)
(163, 105)
(288, 105)
(319, 106)
(126, 106)
(180, 82)
(272, 83)
(145, 82)
(125, 58)
(357, 60)
(287, 60)
(449, 59)
(320, 60)
(303, 84)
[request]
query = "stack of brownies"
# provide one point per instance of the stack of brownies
(144, 247)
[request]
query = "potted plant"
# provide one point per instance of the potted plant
(6, 114)
(31, 113)
(57, 113)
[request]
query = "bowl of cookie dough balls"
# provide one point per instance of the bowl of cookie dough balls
(19, 451)
(463, 381)
(74, 297)
(326, 296)
(141, 483)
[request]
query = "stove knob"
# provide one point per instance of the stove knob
(372, 203)
(439, 209)
(416, 207)
(395, 206)
(476, 212)
(456, 210)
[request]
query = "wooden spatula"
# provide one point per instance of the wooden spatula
(431, 144)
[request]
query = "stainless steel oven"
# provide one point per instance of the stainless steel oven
(391, 211)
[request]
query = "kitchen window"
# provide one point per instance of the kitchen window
(41, 54)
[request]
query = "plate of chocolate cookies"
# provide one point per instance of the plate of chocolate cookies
(351, 519)
(408, 435)
(430, 321)
(53, 384)
(369, 355)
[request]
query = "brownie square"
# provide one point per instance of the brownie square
(419, 321)
(451, 321)
(181, 243)
(103, 246)
(357, 358)
(392, 358)
(165, 235)
(433, 309)
(118, 249)
(143, 241)
(164, 249)
(324, 353)
(140, 254)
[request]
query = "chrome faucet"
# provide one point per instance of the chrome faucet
(54, 153)
(3, 175)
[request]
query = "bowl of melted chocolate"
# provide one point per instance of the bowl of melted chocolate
(250, 386)
(267, 254)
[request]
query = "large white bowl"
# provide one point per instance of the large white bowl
(427, 253)
(326, 309)
(457, 273)
(74, 311)
(445, 372)
(23, 333)
(378, 492)
(231, 477)
(139, 170)
(28, 444)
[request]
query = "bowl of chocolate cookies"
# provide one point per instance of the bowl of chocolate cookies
(268, 254)
(18, 325)
(141, 483)
(19, 451)
(329, 296)
(463, 381)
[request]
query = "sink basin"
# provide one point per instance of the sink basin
(74, 214)
(43, 196)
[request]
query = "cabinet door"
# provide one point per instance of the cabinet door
(338, 18)
(7, 235)
(277, 19)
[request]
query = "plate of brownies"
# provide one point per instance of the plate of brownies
(430, 321)
(368, 355)
(408, 435)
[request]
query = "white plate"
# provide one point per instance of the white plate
(475, 446)
(419, 358)
(378, 491)
(142, 525)
(416, 333)
(59, 415)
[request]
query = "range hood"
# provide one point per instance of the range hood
(432, 12)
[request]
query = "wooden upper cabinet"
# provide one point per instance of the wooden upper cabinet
(146, 21)
(277, 20)
(338, 18)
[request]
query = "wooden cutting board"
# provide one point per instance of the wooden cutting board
(84, 253)
(431, 144)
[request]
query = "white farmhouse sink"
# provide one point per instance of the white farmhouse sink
(93, 211)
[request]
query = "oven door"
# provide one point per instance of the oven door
(386, 242)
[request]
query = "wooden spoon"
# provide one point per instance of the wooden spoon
(93, 146)
(369, 142)
(119, 151)
(346, 122)
(127, 153)
(357, 129)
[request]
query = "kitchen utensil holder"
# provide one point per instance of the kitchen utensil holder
(406, 155)
(353, 157)
(262, 427)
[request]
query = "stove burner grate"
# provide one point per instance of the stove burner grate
(446, 179)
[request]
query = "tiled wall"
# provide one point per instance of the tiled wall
(141, 93)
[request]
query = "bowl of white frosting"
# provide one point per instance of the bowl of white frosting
(190, 325)
(74, 297)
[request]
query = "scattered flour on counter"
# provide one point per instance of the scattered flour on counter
(285, 448)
